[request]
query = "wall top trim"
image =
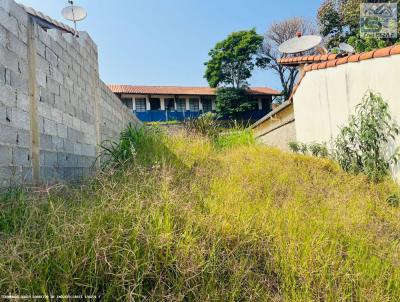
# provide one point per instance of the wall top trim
(331, 60)
(378, 53)
(283, 106)
(46, 19)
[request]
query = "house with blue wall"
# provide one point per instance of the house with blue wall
(174, 103)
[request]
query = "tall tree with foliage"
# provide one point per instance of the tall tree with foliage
(339, 21)
(276, 34)
(233, 59)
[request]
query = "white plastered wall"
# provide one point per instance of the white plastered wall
(325, 98)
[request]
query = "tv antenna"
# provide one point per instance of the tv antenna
(344, 47)
(74, 13)
(299, 44)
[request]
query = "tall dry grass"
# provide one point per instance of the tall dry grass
(239, 223)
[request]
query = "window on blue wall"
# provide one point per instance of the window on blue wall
(180, 105)
(127, 103)
(194, 105)
(140, 105)
(253, 103)
(155, 104)
(169, 104)
(266, 103)
(207, 105)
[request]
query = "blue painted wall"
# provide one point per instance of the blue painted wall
(163, 115)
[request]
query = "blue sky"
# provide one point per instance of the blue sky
(166, 42)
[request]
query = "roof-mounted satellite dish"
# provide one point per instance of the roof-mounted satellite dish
(344, 47)
(299, 44)
(74, 13)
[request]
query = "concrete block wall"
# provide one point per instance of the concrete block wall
(113, 114)
(15, 139)
(56, 85)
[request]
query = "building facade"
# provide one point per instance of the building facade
(171, 103)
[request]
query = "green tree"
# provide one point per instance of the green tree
(230, 102)
(233, 59)
(364, 145)
(330, 21)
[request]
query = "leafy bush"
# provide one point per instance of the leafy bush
(314, 149)
(318, 150)
(143, 144)
(230, 102)
(393, 200)
(294, 146)
(206, 125)
(366, 44)
(303, 148)
(363, 146)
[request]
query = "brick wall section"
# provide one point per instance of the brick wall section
(68, 87)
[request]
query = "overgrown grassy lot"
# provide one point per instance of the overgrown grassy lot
(191, 220)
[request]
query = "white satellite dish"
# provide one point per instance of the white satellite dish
(74, 13)
(299, 44)
(346, 48)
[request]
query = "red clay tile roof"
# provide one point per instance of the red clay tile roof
(379, 53)
(176, 90)
(307, 59)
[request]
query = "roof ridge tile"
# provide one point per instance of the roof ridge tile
(354, 58)
(395, 50)
(367, 55)
(341, 61)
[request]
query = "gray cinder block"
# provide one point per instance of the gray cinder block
(21, 156)
(9, 21)
(51, 57)
(46, 142)
(23, 138)
(8, 96)
(50, 159)
(53, 86)
(5, 155)
(9, 59)
(50, 127)
(8, 135)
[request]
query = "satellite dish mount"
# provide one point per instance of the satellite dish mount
(74, 13)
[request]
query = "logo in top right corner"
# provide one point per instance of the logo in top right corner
(379, 20)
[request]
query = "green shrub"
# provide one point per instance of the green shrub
(230, 102)
(314, 149)
(363, 145)
(206, 125)
(294, 146)
(393, 200)
(318, 150)
(141, 144)
(303, 148)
